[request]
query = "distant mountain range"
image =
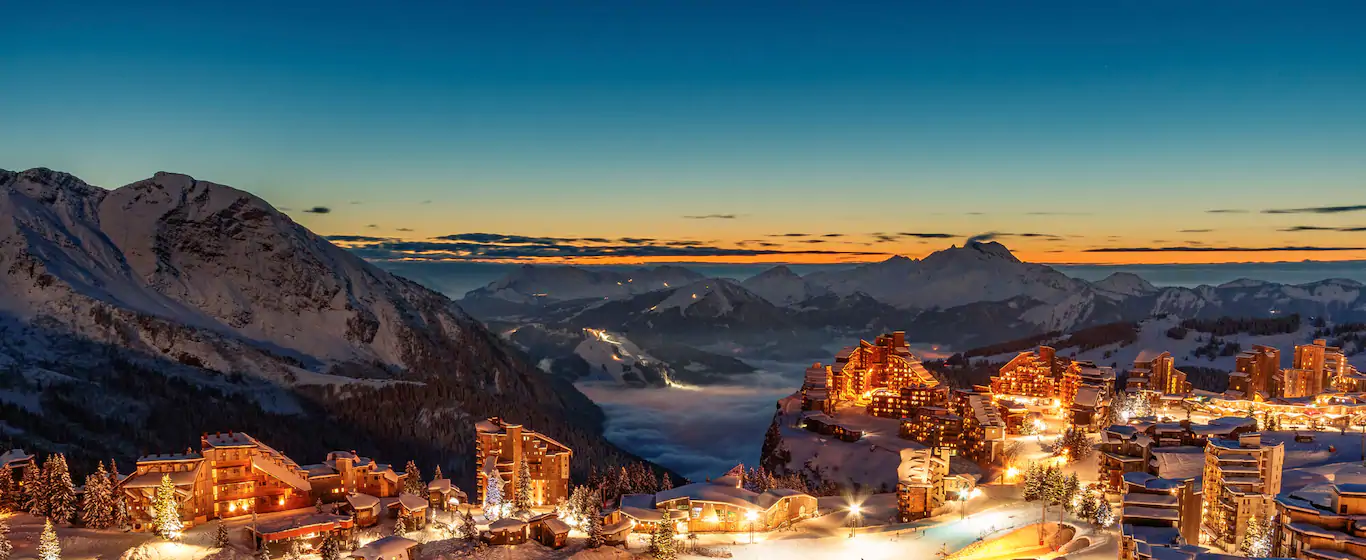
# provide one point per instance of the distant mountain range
(132, 320)
(961, 297)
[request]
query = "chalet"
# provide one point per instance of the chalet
(825, 425)
(548, 530)
(365, 508)
(357, 474)
(722, 505)
(444, 496)
(508, 530)
(16, 460)
(412, 508)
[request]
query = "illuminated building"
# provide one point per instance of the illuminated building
(1255, 372)
(984, 433)
(1324, 526)
(1154, 371)
(501, 448)
(723, 505)
(1037, 374)
(234, 474)
(933, 426)
(921, 482)
(887, 403)
(1160, 449)
(885, 363)
(1157, 513)
(1242, 477)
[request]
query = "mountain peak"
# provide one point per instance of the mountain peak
(973, 251)
(993, 249)
(1125, 283)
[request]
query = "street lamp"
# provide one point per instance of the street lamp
(962, 504)
(751, 516)
(854, 512)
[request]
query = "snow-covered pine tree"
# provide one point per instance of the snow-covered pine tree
(166, 510)
(437, 475)
(35, 492)
(412, 483)
(1033, 482)
(97, 503)
(468, 529)
(220, 537)
(521, 498)
(262, 554)
(49, 548)
(7, 495)
(594, 530)
(493, 498)
(662, 545)
(1105, 516)
(61, 493)
(400, 525)
(666, 482)
(318, 505)
(1071, 489)
(330, 549)
(6, 547)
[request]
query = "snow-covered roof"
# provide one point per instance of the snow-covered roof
(318, 470)
(554, 525)
(1087, 395)
(166, 457)
(1150, 500)
(411, 502)
(291, 523)
(442, 485)
(9, 458)
(1160, 536)
(1164, 514)
(386, 547)
(153, 479)
(362, 501)
(272, 465)
(646, 501)
(724, 491)
(507, 524)
(229, 439)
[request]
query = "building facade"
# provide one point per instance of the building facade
(1242, 478)
(502, 447)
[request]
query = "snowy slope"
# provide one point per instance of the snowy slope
(170, 291)
(544, 284)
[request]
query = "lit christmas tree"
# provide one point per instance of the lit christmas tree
(166, 510)
(521, 500)
(49, 548)
(662, 545)
(493, 497)
(220, 538)
(1257, 539)
(330, 550)
(7, 494)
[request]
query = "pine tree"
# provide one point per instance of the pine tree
(330, 549)
(401, 525)
(594, 513)
(221, 538)
(666, 483)
(521, 499)
(493, 497)
(6, 548)
(1071, 489)
(262, 553)
(97, 504)
(61, 493)
(437, 474)
(412, 483)
(662, 546)
(35, 496)
(166, 510)
(7, 495)
(318, 505)
(1033, 482)
(118, 512)
(49, 548)
(468, 529)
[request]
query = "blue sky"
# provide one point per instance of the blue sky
(1100, 123)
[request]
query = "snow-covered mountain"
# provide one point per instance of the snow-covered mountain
(544, 284)
(224, 298)
(782, 287)
(951, 277)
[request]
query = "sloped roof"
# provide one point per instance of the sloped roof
(386, 547)
(362, 501)
(411, 502)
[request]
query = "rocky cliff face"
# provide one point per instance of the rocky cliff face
(210, 287)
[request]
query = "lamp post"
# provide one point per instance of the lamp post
(854, 512)
(751, 516)
(962, 504)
